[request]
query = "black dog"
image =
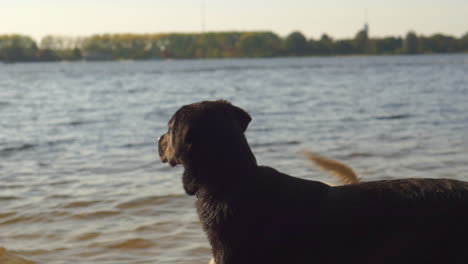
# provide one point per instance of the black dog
(255, 214)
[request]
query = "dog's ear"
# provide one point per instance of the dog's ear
(242, 117)
(181, 142)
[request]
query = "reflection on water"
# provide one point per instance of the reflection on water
(80, 179)
(9, 258)
(106, 231)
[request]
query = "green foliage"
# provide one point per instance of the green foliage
(463, 43)
(361, 42)
(411, 44)
(55, 48)
(216, 45)
(388, 45)
(47, 55)
(259, 44)
(296, 44)
(438, 43)
(322, 47)
(17, 48)
(343, 47)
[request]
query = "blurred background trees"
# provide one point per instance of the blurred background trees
(411, 43)
(17, 48)
(296, 44)
(20, 48)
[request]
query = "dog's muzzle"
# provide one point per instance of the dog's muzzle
(162, 145)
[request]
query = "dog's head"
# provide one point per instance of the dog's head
(204, 132)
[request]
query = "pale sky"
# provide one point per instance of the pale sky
(338, 18)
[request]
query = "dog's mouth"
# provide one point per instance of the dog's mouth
(163, 152)
(163, 159)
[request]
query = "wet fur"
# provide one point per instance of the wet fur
(255, 214)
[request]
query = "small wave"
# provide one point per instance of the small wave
(132, 244)
(76, 123)
(7, 257)
(162, 227)
(394, 105)
(58, 183)
(59, 142)
(38, 252)
(88, 236)
(138, 145)
(279, 143)
(199, 250)
(126, 169)
(4, 104)
(78, 204)
(26, 236)
(9, 198)
(35, 218)
(147, 201)
(10, 150)
(392, 117)
(98, 214)
(359, 155)
(34, 252)
(59, 196)
(5, 215)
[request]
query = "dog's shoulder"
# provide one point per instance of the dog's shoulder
(290, 188)
(269, 174)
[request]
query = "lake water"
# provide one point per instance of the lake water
(80, 180)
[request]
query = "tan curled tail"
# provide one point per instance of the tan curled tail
(344, 173)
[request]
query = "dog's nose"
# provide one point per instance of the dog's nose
(160, 137)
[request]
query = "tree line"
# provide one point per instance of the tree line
(20, 48)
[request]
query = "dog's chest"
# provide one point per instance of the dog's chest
(212, 212)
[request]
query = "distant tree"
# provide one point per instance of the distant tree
(70, 54)
(259, 44)
(324, 46)
(361, 42)
(76, 54)
(17, 48)
(228, 42)
(438, 43)
(296, 44)
(51, 43)
(411, 43)
(210, 45)
(98, 47)
(463, 43)
(59, 48)
(388, 45)
(47, 55)
(343, 47)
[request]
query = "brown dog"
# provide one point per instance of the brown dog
(255, 214)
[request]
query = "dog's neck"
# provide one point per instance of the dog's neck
(219, 174)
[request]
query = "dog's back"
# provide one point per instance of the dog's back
(400, 221)
(291, 220)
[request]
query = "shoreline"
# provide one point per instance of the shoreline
(238, 58)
